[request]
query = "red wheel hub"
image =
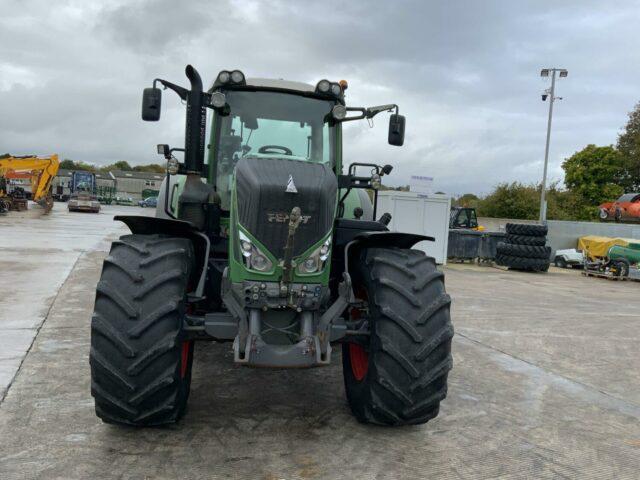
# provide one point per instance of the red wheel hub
(184, 358)
(359, 359)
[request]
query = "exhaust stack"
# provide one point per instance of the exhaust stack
(195, 125)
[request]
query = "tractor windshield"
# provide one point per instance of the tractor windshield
(264, 124)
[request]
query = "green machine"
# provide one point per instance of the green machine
(273, 246)
(630, 252)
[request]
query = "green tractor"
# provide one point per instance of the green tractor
(271, 247)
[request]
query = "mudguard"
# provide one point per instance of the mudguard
(383, 239)
(142, 225)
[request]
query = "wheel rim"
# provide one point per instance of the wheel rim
(184, 358)
(359, 359)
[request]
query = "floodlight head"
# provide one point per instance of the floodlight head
(564, 73)
(544, 72)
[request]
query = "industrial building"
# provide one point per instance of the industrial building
(136, 185)
(133, 184)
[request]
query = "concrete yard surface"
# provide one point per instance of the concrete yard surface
(545, 384)
(37, 253)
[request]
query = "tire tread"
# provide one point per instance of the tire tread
(136, 339)
(410, 346)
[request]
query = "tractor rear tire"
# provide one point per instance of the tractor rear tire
(400, 376)
(140, 360)
(526, 251)
(523, 263)
(527, 229)
(526, 240)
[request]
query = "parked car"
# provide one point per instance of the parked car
(625, 209)
(151, 202)
(123, 201)
(568, 258)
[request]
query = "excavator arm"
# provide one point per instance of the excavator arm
(43, 170)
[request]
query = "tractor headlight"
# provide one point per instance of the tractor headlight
(224, 76)
(375, 181)
(339, 112)
(246, 248)
(254, 259)
(323, 86)
(316, 261)
(173, 166)
(218, 99)
(259, 262)
(237, 76)
(310, 265)
(326, 87)
(324, 250)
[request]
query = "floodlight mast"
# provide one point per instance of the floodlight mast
(545, 73)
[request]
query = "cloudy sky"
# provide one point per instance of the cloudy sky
(465, 73)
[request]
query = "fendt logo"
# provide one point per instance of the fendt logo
(291, 187)
(282, 217)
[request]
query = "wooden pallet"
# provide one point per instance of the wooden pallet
(608, 276)
(499, 267)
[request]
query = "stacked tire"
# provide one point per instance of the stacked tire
(524, 248)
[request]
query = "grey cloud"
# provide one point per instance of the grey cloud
(464, 73)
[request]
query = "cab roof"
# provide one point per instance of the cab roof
(275, 83)
(280, 84)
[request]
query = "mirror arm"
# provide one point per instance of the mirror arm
(363, 112)
(373, 111)
(369, 112)
(181, 91)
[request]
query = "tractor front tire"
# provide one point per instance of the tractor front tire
(140, 360)
(400, 376)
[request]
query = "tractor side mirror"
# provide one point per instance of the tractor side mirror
(396, 130)
(164, 150)
(151, 102)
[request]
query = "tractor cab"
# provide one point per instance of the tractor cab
(273, 120)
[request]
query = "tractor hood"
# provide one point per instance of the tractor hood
(268, 189)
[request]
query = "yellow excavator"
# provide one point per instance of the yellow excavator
(42, 171)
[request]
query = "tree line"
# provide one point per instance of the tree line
(68, 164)
(594, 175)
